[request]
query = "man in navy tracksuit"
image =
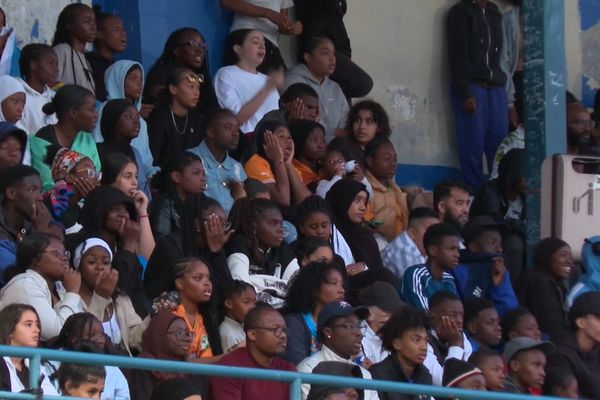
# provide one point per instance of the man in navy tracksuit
(474, 35)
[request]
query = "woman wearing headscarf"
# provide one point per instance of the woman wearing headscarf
(12, 104)
(348, 199)
(542, 289)
(120, 124)
(166, 338)
(74, 176)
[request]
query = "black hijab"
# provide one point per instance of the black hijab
(111, 113)
(359, 238)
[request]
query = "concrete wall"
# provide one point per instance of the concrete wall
(34, 20)
(402, 45)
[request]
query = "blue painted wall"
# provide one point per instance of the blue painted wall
(149, 23)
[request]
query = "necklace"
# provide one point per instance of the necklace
(182, 132)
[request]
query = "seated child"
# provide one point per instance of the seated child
(520, 322)
(491, 365)
(463, 375)
(481, 272)
(560, 382)
(299, 101)
(13, 142)
(389, 201)
(447, 339)
(420, 282)
(39, 68)
(482, 323)
(333, 168)
(84, 381)
(405, 337)
(240, 297)
(526, 361)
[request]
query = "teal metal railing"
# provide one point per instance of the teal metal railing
(295, 379)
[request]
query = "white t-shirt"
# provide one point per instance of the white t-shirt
(236, 87)
(264, 25)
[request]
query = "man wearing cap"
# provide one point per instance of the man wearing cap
(526, 361)
(579, 350)
(382, 300)
(340, 334)
(481, 271)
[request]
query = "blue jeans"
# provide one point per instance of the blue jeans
(480, 132)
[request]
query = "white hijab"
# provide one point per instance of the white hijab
(8, 87)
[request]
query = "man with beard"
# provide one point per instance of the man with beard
(224, 175)
(266, 339)
(451, 201)
(579, 128)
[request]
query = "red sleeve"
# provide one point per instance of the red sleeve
(226, 388)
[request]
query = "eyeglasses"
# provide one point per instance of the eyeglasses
(352, 328)
(59, 254)
(195, 78)
(277, 332)
(90, 173)
(194, 45)
(582, 122)
(181, 334)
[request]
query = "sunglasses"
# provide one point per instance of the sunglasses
(195, 78)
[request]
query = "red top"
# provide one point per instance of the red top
(228, 388)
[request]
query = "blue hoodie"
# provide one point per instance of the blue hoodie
(114, 79)
(473, 279)
(590, 282)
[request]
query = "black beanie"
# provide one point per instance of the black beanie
(111, 113)
(456, 371)
(545, 250)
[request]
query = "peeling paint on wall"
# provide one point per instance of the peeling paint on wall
(590, 46)
(403, 102)
(34, 21)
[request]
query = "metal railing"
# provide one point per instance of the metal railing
(295, 379)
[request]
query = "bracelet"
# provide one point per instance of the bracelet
(142, 216)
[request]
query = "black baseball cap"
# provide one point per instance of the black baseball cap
(480, 223)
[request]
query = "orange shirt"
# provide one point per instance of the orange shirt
(258, 168)
(306, 173)
(199, 345)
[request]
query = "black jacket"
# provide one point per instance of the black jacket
(298, 338)
(390, 370)
(544, 296)
(585, 366)
(324, 17)
(474, 36)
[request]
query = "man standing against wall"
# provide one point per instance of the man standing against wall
(474, 37)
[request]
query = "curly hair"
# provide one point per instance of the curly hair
(401, 321)
(380, 117)
(303, 288)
